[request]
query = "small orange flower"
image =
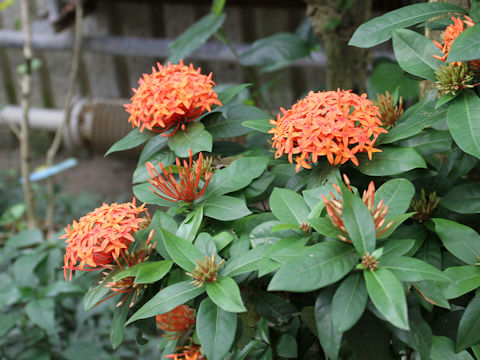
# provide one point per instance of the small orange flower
(334, 208)
(193, 352)
(336, 124)
(186, 188)
(178, 321)
(451, 33)
(100, 236)
(170, 97)
(127, 285)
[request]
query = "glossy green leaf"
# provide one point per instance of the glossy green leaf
(133, 139)
(431, 292)
(143, 192)
(391, 161)
(414, 53)
(469, 327)
(245, 262)
(8, 322)
(275, 52)
(195, 137)
(153, 146)
(286, 346)
(164, 156)
(444, 348)
(463, 280)
(222, 239)
(397, 247)
(397, 194)
(359, 222)
(329, 339)
(320, 265)
(262, 125)
(42, 313)
(236, 176)
(462, 241)
(215, 329)
(189, 227)
(293, 245)
(194, 37)
(387, 294)
(380, 28)
(96, 293)
(229, 93)
(217, 6)
(466, 46)
(182, 251)
(288, 206)
(225, 208)
(273, 308)
(25, 238)
(349, 302)
(463, 199)
(167, 299)
(225, 293)
(325, 227)
(410, 269)
(429, 142)
(117, 330)
(389, 76)
(463, 117)
(231, 123)
(152, 271)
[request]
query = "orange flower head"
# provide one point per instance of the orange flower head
(127, 285)
(171, 96)
(451, 33)
(334, 208)
(178, 321)
(336, 124)
(193, 352)
(186, 188)
(100, 236)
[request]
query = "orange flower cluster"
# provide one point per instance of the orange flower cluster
(100, 236)
(127, 284)
(178, 321)
(451, 33)
(334, 208)
(186, 189)
(170, 97)
(336, 124)
(193, 352)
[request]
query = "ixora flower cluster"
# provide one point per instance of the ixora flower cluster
(170, 97)
(336, 124)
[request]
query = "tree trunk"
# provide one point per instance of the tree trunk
(334, 26)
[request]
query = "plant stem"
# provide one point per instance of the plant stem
(26, 86)
(52, 151)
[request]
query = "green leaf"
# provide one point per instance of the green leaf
(35, 63)
(152, 271)
(391, 161)
(389, 76)
(349, 302)
(222, 239)
(380, 28)
(463, 280)
(288, 206)
(117, 333)
(133, 139)
(330, 340)
(414, 53)
(167, 299)
(273, 308)
(262, 125)
(463, 118)
(182, 251)
(320, 265)
(225, 293)
(42, 313)
(462, 241)
(469, 327)
(217, 6)
(164, 156)
(96, 293)
(463, 199)
(245, 262)
(286, 346)
(386, 293)
(397, 194)
(153, 146)
(25, 238)
(194, 137)
(275, 52)
(206, 245)
(236, 176)
(410, 269)
(227, 95)
(293, 245)
(194, 37)
(466, 46)
(431, 293)
(215, 329)
(225, 208)
(144, 193)
(189, 227)
(429, 142)
(359, 222)
(7, 322)
(444, 348)
(325, 227)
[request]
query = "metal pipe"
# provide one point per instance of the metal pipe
(46, 119)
